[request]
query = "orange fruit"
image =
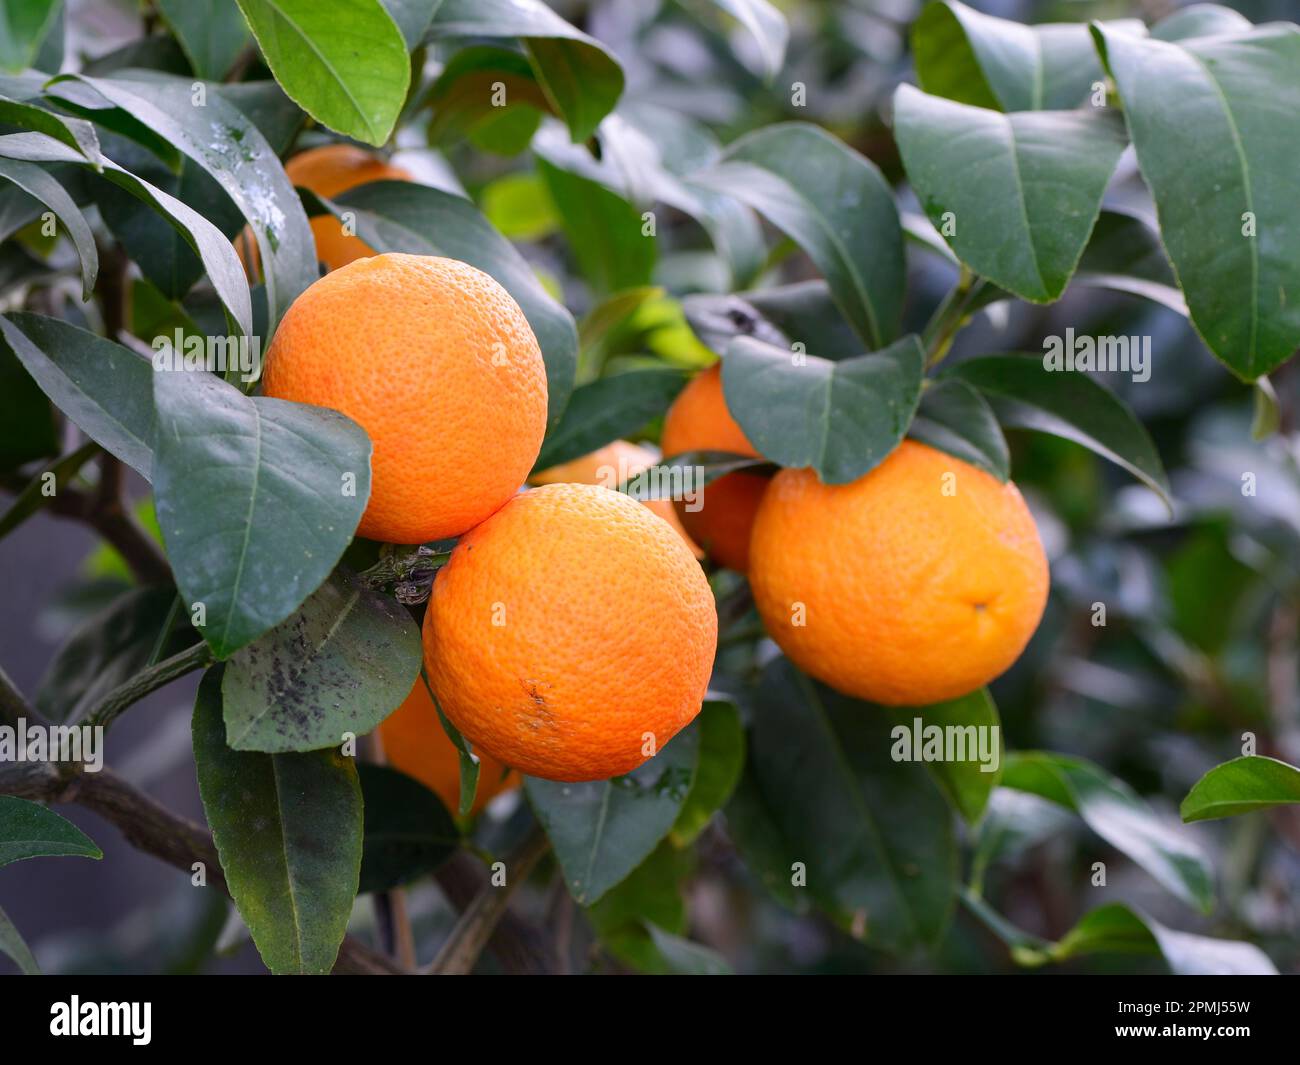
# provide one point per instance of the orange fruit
(439, 366)
(416, 743)
(609, 467)
(699, 420)
(330, 171)
(571, 635)
(918, 582)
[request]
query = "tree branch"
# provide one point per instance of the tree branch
(149, 680)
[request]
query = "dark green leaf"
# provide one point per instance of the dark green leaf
(874, 835)
(26, 419)
(692, 470)
(29, 830)
(1015, 195)
(37, 182)
(607, 409)
(212, 33)
(106, 389)
(1112, 810)
(841, 418)
(1124, 254)
(1216, 125)
(1242, 786)
(722, 760)
(1026, 395)
(74, 132)
(13, 946)
(288, 830)
(603, 830)
(651, 894)
(403, 216)
(340, 664)
(257, 498)
(344, 63)
(955, 418)
(409, 833)
(835, 205)
(968, 782)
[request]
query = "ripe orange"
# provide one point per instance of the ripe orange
(609, 467)
(699, 420)
(571, 635)
(330, 171)
(918, 582)
(415, 742)
(438, 364)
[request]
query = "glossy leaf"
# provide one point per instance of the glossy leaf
(969, 781)
(1015, 195)
(974, 58)
(29, 830)
(1026, 395)
(256, 497)
(1242, 786)
(953, 417)
(607, 409)
(577, 73)
(722, 760)
(211, 32)
(874, 835)
(288, 830)
(1215, 122)
(104, 388)
(1111, 809)
(408, 831)
(37, 182)
(344, 63)
(404, 216)
(1124, 254)
(841, 418)
(603, 830)
(835, 205)
(338, 665)
(16, 108)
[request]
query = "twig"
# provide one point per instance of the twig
(519, 946)
(12, 704)
(149, 680)
(462, 949)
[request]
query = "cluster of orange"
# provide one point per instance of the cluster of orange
(572, 632)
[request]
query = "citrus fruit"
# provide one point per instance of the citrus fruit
(330, 171)
(571, 635)
(439, 366)
(609, 467)
(918, 582)
(721, 519)
(416, 743)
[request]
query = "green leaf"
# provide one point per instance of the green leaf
(29, 830)
(605, 231)
(340, 664)
(344, 63)
(519, 207)
(1215, 122)
(722, 760)
(1112, 810)
(104, 388)
(23, 25)
(835, 205)
(841, 418)
(953, 417)
(26, 419)
(1124, 254)
(579, 76)
(1026, 395)
(256, 498)
(682, 956)
(607, 409)
(693, 469)
(220, 139)
(412, 18)
(408, 832)
(13, 946)
(767, 25)
(967, 782)
(37, 182)
(1200, 20)
(985, 61)
(1242, 786)
(211, 32)
(768, 855)
(651, 894)
(1117, 928)
(874, 835)
(209, 243)
(74, 132)
(288, 830)
(604, 829)
(469, 765)
(1015, 195)
(107, 649)
(32, 497)
(403, 216)
(462, 98)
